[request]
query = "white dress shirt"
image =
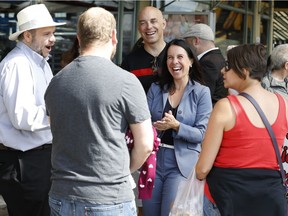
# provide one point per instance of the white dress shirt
(202, 54)
(24, 77)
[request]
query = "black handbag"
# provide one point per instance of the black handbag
(273, 138)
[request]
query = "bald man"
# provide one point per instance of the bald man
(145, 60)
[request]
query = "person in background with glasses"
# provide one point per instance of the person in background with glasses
(146, 57)
(146, 60)
(180, 107)
(201, 39)
(238, 159)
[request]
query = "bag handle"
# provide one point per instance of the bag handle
(270, 131)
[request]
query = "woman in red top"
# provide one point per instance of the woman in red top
(238, 158)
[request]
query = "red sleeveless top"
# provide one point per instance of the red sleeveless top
(247, 146)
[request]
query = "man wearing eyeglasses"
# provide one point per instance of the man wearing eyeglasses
(201, 39)
(146, 58)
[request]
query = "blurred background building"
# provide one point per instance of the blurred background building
(235, 22)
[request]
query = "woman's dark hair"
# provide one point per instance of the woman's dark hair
(249, 56)
(195, 72)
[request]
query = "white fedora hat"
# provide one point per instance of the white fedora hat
(33, 17)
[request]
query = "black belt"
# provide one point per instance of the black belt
(5, 148)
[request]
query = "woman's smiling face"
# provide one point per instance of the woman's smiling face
(178, 62)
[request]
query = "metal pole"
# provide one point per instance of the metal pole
(257, 21)
(270, 28)
(120, 32)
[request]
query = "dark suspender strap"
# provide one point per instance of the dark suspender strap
(270, 131)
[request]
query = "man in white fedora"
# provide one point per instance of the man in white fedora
(25, 136)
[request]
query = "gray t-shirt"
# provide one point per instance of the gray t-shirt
(91, 102)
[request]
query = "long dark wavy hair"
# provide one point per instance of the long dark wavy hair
(195, 72)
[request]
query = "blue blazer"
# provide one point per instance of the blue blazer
(193, 114)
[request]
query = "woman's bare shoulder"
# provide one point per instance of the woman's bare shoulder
(222, 105)
(223, 114)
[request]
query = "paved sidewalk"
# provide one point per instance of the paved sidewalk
(3, 209)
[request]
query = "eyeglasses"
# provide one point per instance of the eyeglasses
(155, 65)
(227, 66)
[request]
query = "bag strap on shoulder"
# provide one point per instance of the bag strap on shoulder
(271, 133)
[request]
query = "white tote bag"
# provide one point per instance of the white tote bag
(189, 198)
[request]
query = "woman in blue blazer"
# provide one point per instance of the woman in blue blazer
(180, 107)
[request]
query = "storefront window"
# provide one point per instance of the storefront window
(231, 20)
(178, 24)
(66, 34)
